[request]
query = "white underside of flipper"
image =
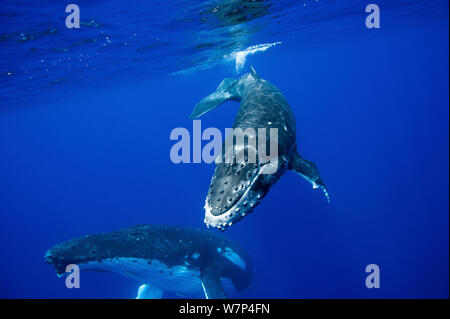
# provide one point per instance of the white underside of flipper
(149, 292)
(177, 279)
(315, 186)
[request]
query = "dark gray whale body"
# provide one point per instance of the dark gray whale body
(237, 187)
(188, 262)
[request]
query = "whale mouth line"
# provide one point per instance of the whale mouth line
(234, 213)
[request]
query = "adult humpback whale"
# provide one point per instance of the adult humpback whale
(237, 187)
(188, 262)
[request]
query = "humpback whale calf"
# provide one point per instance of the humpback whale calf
(188, 262)
(238, 186)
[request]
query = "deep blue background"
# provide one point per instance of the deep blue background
(372, 113)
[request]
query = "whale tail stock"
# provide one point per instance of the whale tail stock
(309, 171)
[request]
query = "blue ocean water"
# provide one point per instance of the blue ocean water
(85, 118)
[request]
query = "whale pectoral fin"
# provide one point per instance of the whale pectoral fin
(225, 91)
(212, 287)
(309, 171)
(149, 292)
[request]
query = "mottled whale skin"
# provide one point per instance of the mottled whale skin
(236, 188)
(188, 262)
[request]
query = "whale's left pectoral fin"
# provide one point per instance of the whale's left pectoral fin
(212, 287)
(225, 91)
(149, 292)
(309, 171)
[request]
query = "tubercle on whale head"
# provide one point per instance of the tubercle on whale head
(230, 217)
(51, 258)
(236, 189)
(229, 201)
(81, 251)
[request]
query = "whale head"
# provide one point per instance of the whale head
(90, 250)
(237, 188)
(82, 251)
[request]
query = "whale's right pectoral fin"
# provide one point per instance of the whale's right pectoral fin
(308, 170)
(212, 287)
(149, 292)
(225, 91)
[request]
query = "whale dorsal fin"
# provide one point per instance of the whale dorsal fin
(212, 287)
(225, 91)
